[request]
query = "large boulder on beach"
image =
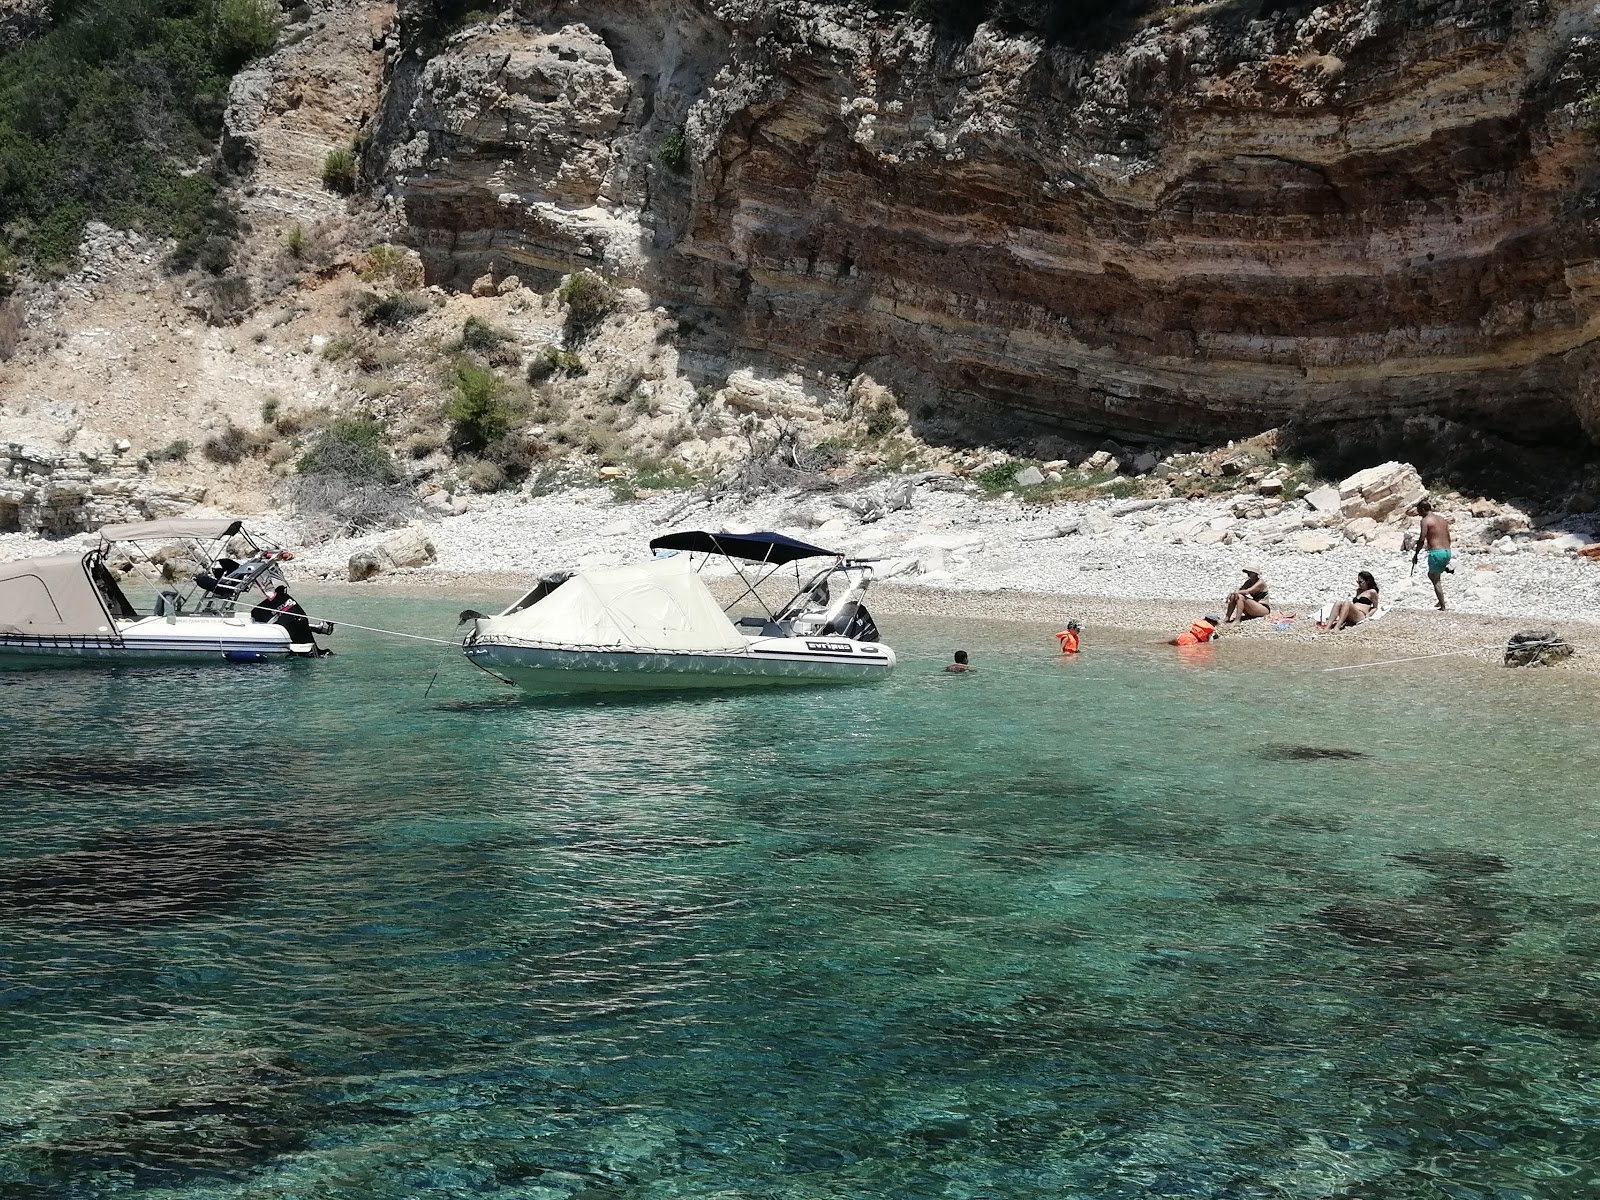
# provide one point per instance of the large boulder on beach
(408, 548)
(1381, 492)
(1537, 648)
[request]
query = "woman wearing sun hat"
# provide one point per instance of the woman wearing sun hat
(1250, 600)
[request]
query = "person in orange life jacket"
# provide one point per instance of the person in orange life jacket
(283, 609)
(1068, 638)
(1202, 631)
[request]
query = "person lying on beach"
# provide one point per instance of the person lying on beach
(1356, 609)
(1202, 631)
(1250, 600)
(959, 665)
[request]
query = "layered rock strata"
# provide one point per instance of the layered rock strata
(55, 495)
(1234, 217)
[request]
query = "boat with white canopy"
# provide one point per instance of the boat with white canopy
(70, 608)
(656, 625)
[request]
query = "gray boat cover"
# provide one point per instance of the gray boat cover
(51, 597)
(176, 527)
(656, 605)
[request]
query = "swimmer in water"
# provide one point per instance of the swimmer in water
(959, 665)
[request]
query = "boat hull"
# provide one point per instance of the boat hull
(154, 641)
(765, 662)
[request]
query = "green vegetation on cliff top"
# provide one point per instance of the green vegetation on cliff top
(113, 114)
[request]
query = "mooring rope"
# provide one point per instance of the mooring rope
(1389, 662)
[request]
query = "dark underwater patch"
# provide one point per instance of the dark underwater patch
(99, 771)
(168, 872)
(1311, 753)
(1448, 863)
(1416, 923)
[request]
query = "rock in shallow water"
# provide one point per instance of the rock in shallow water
(1537, 648)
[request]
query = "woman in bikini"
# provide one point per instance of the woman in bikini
(1250, 600)
(1359, 607)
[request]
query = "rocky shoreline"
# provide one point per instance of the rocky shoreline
(942, 549)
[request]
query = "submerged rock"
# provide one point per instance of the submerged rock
(1537, 648)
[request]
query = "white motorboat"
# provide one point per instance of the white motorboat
(64, 609)
(656, 626)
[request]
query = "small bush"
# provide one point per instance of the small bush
(351, 447)
(295, 241)
(390, 263)
(341, 171)
(482, 476)
(246, 29)
(177, 451)
(477, 410)
(588, 299)
(482, 336)
(231, 446)
(423, 443)
(391, 311)
(227, 299)
(337, 349)
(10, 328)
(548, 361)
(673, 153)
(883, 419)
(269, 409)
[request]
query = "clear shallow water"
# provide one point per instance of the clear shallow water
(1114, 928)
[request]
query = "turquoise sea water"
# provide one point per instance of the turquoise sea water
(1127, 926)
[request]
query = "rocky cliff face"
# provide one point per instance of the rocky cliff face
(1233, 216)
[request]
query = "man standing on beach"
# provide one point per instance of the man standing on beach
(1434, 537)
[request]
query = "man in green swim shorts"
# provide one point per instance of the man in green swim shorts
(1434, 537)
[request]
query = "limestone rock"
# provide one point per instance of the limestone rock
(1389, 489)
(1096, 522)
(1312, 542)
(1145, 463)
(407, 548)
(363, 565)
(1362, 529)
(1537, 648)
(1028, 477)
(1324, 499)
(483, 285)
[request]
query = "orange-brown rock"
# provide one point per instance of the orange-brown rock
(1221, 222)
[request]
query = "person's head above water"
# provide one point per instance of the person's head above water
(961, 656)
(1074, 626)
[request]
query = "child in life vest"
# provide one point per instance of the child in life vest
(1202, 631)
(1068, 638)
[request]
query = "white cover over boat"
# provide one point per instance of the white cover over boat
(648, 626)
(657, 605)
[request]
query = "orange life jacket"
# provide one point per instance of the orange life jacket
(1200, 631)
(1069, 641)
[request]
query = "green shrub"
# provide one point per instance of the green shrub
(351, 447)
(101, 115)
(337, 349)
(477, 410)
(295, 241)
(230, 446)
(269, 409)
(390, 263)
(245, 29)
(176, 451)
(482, 336)
(482, 476)
(673, 153)
(391, 311)
(548, 361)
(588, 299)
(341, 171)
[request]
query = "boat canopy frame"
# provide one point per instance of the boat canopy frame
(210, 536)
(767, 550)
